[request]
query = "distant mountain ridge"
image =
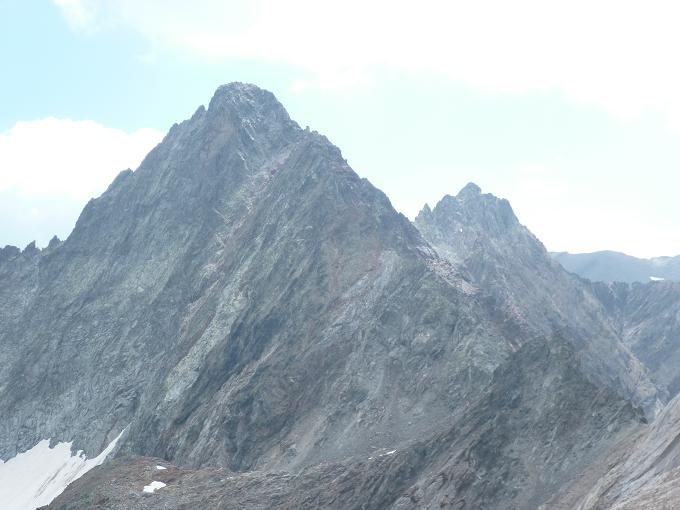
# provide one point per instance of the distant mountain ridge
(612, 266)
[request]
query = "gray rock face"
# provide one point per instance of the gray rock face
(611, 266)
(481, 236)
(501, 454)
(265, 324)
(641, 473)
(647, 317)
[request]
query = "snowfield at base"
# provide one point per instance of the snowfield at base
(153, 487)
(34, 478)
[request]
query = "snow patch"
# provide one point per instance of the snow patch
(656, 279)
(391, 452)
(161, 468)
(35, 477)
(153, 487)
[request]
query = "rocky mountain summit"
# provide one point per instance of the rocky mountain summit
(248, 323)
(480, 234)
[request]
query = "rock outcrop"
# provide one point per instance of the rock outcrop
(647, 318)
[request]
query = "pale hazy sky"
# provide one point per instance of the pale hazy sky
(570, 110)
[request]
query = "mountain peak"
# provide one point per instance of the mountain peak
(470, 189)
(242, 92)
(472, 206)
(472, 223)
(247, 100)
(242, 108)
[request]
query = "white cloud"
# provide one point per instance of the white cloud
(77, 13)
(586, 215)
(49, 168)
(79, 158)
(618, 55)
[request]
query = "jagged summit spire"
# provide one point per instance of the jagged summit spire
(244, 92)
(470, 207)
(470, 189)
(246, 100)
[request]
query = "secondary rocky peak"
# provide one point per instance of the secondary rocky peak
(470, 209)
(54, 242)
(470, 189)
(477, 203)
(31, 248)
(480, 234)
(424, 215)
(472, 226)
(9, 252)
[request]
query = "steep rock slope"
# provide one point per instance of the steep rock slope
(642, 473)
(647, 317)
(539, 426)
(536, 428)
(481, 235)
